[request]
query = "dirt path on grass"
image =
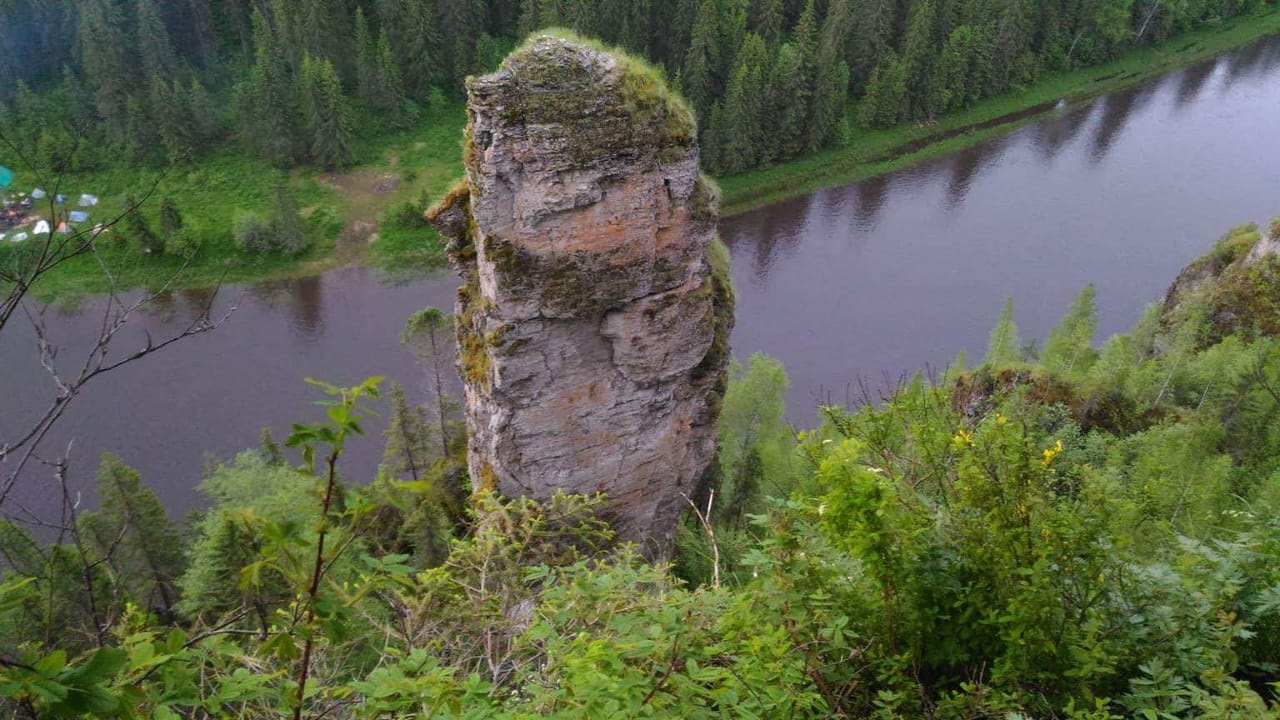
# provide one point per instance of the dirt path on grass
(364, 193)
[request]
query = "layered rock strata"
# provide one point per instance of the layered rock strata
(592, 325)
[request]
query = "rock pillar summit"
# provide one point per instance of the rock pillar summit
(594, 317)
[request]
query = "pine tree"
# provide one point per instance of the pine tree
(324, 32)
(1069, 348)
(133, 535)
(1004, 348)
(324, 112)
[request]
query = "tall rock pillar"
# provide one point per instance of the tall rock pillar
(592, 324)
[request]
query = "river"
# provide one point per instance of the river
(869, 282)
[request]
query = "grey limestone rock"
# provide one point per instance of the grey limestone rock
(592, 326)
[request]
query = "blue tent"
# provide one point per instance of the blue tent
(6, 177)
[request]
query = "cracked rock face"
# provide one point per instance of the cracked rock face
(592, 327)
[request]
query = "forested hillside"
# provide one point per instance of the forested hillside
(90, 83)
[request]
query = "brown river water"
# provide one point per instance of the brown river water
(869, 282)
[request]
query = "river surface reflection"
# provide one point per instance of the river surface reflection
(868, 282)
(862, 284)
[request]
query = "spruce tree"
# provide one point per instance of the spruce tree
(155, 49)
(785, 114)
(412, 28)
(264, 99)
(766, 20)
(831, 76)
(742, 134)
(700, 62)
(173, 122)
(919, 59)
(407, 454)
(137, 229)
(325, 116)
(427, 333)
(873, 35)
(205, 127)
(106, 67)
(170, 218)
(884, 104)
(133, 535)
(366, 64)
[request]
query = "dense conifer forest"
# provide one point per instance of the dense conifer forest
(94, 82)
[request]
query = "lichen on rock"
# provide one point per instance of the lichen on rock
(592, 327)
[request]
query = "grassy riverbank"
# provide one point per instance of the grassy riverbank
(351, 216)
(870, 153)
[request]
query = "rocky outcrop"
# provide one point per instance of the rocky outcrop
(592, 325)
(1232, 290)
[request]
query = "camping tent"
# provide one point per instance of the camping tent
(88, 200)
(42, 228)
(6, 177)
(38, 194)
(78, 216)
